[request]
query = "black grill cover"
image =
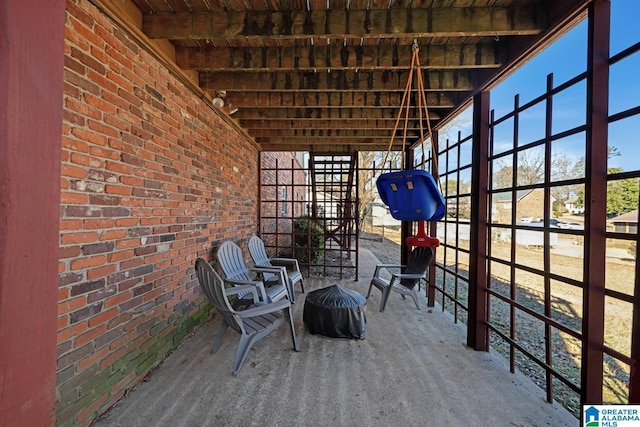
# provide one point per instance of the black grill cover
(335, 312)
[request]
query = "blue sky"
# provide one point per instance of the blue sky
(567, 58)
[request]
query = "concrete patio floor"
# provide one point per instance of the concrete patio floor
(412, 368)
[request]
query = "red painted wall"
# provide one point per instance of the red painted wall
(31, 47)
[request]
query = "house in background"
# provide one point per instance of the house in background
(572, 207)
(529, 205)
(381, 216)
(626, 223)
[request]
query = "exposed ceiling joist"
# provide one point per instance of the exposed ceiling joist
(340, 57)
(329, 23)
(329, 76)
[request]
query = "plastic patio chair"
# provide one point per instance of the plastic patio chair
(252, 324)
(404, 281)
(236, 272)
(290, 265)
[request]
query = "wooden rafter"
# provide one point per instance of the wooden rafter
(329, 75)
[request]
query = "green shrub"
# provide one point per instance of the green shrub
(309, 240)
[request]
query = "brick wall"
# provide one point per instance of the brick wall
(151, 179)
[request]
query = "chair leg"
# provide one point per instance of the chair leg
(414, 296)
(296, 346)
(244, 345)
(218, 341)
(302, 285)
(369, 292)
(292, 291)
(385, 297)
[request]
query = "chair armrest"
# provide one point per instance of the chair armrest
(286, 262)
(267, 269)
(236, 289)
(280, 271)
(409, 275)
(255, 283)
(264, 309)
(390, 265)
(379, 267)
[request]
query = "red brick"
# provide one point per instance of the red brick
(131, 263)
(100, 128)
(126, 222)
(118, 189)
(112, 358)
(100, 272)
(84, 160)
(89, 335)
(82, 108)
(69, 252)
(103, 317)
(86, 262)
(63, 293)
(153, 294)
(84, 416)
(71, 331)
(104, 153)
(74, 171)
(75, 145)
(63, 322)
(99, 224)
(128, 243)
(112, 235)
(71, 224)
(79, 237)
(95, 357)
(118, 167)
(117, 299)
(132, 181)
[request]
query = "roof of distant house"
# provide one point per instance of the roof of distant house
(506, 195)
(626, 217)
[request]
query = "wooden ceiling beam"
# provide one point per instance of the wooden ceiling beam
(347, 113)
(338, 133)
(319, 143)
(341, 57)
(334, 149)
(370, 138)
(364, 99)
(275, 124)
(451, 80)
(341, 23)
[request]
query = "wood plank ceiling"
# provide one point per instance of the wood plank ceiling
(328, 76)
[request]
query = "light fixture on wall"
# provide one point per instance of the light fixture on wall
(218, 101)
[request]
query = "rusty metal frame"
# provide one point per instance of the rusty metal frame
(596, 200)
(277, 228)
(477, 334)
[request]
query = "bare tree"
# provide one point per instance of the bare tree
(369, 169)
(563, 168)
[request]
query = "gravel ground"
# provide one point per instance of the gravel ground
(386, 250)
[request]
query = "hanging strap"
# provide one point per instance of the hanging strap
(422, 108)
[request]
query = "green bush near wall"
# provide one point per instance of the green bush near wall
(308, 240)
